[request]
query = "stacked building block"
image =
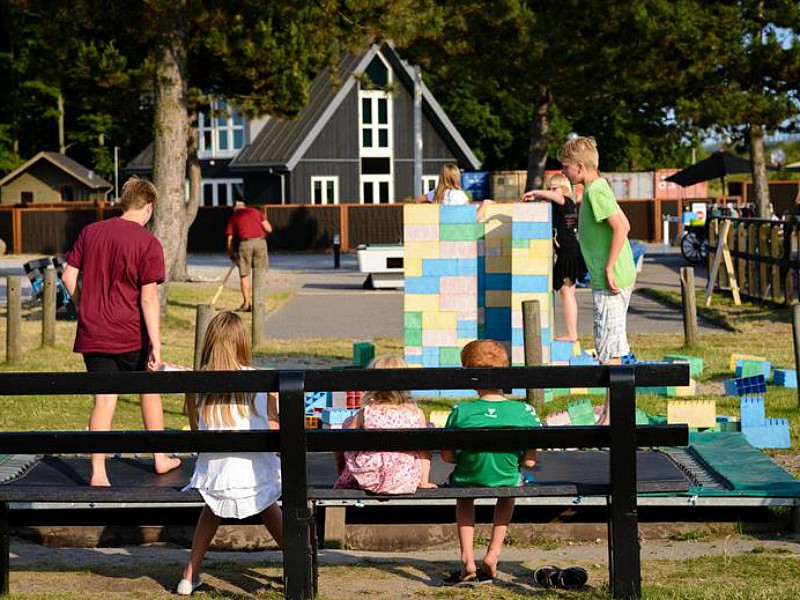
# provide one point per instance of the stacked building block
(785, 378)
(737, 357)
(699, 414)
(746, 386)
(748, 368)
(334, 418)
(760, 431)
(316, 401)
(466, 279)
(363, 353)
(581, 412)
(695, 363)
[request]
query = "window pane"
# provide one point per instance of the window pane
(366, 110)
(383, 138)
(368, 199)
(223, 140)
(317, 199)
(205, 143)
(222, 194)
(238, 139)
(330, 195)
(384, 192)
(222, 121)
(238, 119)
(208, 194)
(383, 118)
(366, 138)
(378, 73)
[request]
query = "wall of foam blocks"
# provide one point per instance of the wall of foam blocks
(466, 279)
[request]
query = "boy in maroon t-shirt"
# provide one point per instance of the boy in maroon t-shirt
(246, 233)
(121, 265)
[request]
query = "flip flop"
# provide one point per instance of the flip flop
(572, 578)
(547, 577)
(482, 577)
(455, 578)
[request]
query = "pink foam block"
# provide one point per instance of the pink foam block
(558, 418)
(458, 285)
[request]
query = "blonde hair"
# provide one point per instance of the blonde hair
(449, 179)
(226, 347)
(137, 193)
(560, 181)
(387, 361)
(580, 150)
(484, 353)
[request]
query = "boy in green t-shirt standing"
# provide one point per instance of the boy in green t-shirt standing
(603, 237)
(486, 469)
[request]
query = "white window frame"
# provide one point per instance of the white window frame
(374, 96)
(216, 185)
(375, 180)
(211, 124)
(429, 182)
(323, 180)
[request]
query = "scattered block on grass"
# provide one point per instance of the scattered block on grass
(695, 363)
(583, 359)
(581, 412)
(785, 378)
(773, 434)
(682, 391)
(753, 411)
(695, 413)
(746, 386)
(749, 368)
(560, 350)
(628, 359)
(559, 418)
(363, 353)
(735, 357)
(727, 423)
(438, 418)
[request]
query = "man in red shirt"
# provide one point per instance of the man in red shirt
(247, 231)
(121, 265)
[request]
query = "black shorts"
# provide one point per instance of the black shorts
(98, 362)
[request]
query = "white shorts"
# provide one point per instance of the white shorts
(609, 312)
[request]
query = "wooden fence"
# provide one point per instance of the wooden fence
(53, 228)
(765, 257)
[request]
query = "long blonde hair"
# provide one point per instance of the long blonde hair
(449, 179)
(226, 347)
(387, 361)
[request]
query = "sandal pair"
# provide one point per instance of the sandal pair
(478, 578)
(571, 578)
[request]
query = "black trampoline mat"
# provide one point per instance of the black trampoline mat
(557, 473)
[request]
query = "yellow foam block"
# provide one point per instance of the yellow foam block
(422, 249)
(412, 267)
(695, 413)
(532, 266)
(735, 357)
(421, 214)
(498, 264)
(540, 248)
(423, 302)
(544, 301)
(438, 418)
(683, 391)
(439, 320)
(579, 391)
(498, 209)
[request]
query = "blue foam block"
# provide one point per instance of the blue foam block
(498, 281)
(773, 434)
(336, 416)
(744, 386)
(457, 214)
(315, 401)
(560, 350)
(584, 358)
(628, 359)
(422, 285)
(753, 411)
(530, 284)
(437, 267)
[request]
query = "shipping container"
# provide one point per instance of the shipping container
(508, 185)
(476, 183)
(635, 185)
(667, 190)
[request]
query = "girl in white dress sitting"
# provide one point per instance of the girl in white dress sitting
(448, 190)
(232, 485)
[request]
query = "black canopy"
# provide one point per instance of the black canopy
(718, 165)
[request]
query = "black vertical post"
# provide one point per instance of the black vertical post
(337, 251)
(297, 550)
(5, 550)
(623, 524)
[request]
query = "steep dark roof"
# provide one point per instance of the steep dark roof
(282, 143)
(86, 176)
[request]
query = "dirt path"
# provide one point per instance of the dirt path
(153, 571)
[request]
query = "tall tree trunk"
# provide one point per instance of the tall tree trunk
(170, 131)
(760, 198)
(194, 174)
(537, 143)
(62, 141)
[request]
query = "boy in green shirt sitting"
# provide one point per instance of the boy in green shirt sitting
(486, 469)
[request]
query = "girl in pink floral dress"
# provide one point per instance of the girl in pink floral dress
(383, 472)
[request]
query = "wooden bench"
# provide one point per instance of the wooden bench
(294, 443)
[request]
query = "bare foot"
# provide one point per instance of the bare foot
(489, 569)
(427, 485)
(99, 481)
(165, 464)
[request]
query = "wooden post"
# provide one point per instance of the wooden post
(796, 337)
(689, 307)
(205, 312)
(49, 308)
(532, 339)
(335, 535)
(259, 285)
(741, 262)
(752, 265)
(14, 319)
